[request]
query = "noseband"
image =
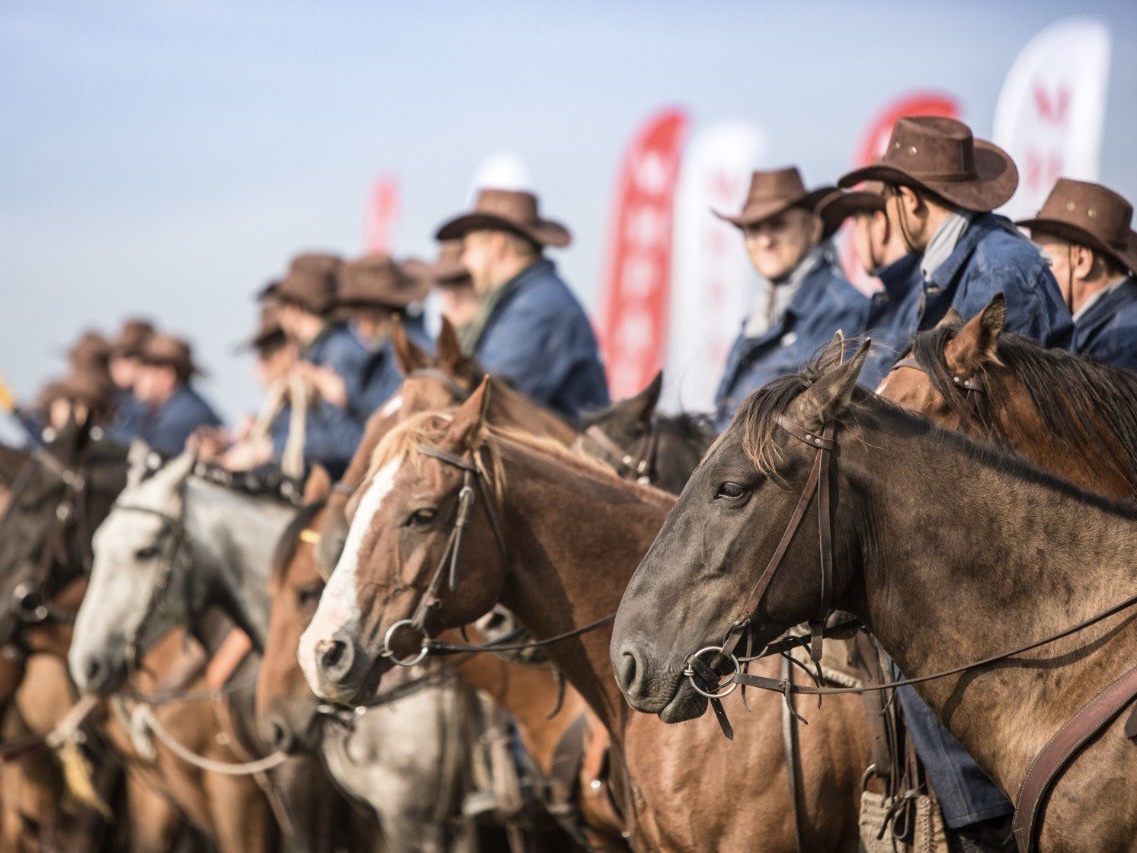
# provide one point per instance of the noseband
(473, 484)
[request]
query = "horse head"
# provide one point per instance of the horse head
(418, 557)
(136, 595)
(692, 587)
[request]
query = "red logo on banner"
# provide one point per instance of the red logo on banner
(382, 211)
(872, 146)
(634, 307)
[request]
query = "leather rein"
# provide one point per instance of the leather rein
(709, 682)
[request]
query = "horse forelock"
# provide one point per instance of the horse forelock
(403, 440)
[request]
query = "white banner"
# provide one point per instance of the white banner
(1051, 109)
(712, 282)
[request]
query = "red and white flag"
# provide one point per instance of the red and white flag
(872, 145)
(1051, 109)
(382, 213)
(633, 324)
(713, 284)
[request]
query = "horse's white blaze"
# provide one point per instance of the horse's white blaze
(391, 406)
(338, 607)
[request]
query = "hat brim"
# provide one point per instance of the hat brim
(416, 290)
(438, 273)
(1074, 234)
(835, 208)
(996, 179)
(544, 232)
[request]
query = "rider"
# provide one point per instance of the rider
(174, 408)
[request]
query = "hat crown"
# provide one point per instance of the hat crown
(377, 279)
(515, 205)
(933, 148)
(776, 185)
(311, 281)
(1092, 208)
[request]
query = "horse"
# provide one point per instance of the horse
(292, 716)
(1002, 549)
(1069, 415)
(571, 532)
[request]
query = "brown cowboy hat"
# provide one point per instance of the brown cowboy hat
(90, 349)
(775, 191)
(446, 271)
(376, 279)
(839, 205)
(310, 282)
(167, 350)
(507, 210)
(269, 331)
(1089, 215)
(131, 337)
(941, 156)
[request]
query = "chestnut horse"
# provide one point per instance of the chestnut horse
(571, 534)
(1005, 554)
(1069, 415)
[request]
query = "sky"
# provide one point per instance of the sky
(166, 159)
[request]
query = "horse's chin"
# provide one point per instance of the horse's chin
(686, 704)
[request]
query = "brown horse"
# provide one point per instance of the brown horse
(1070, 416)
(571, 533)
(286, 706)
(1005, 554)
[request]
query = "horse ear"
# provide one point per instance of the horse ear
(408, 355)
(834, 353)
(469, 417)
(832, 393)
(318, 485)
(977, 343)
(450, 355)
(643, 404)
(952, 319)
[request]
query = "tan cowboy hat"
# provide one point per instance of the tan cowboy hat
(941, 156)
(376, 279)
(446, 271)
(131, 337)
(310, 282)
(167, 350)
(91, 349)
(839, 205)
(775, 191)
(507, 210)
(1089, 215)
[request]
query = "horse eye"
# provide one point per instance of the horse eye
(147, 553)
(309, 594)
(421, 517)
(730, 491)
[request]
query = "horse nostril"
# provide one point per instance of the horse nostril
(335, 658)
(629, 670)
(93, 673)
(278, 736)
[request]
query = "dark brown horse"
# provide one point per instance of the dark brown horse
(1070, 416)
(571, 533)
(949, 552)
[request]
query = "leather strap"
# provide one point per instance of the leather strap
(790, 749)
(1052, 760)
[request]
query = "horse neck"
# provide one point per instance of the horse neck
(529, 694)
(1003, 556)
(574, 538)
(231, 536)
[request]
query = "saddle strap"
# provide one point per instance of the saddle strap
(1052, 760)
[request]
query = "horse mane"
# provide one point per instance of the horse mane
(1080, 401)
(285, 548)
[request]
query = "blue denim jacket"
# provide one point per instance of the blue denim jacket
(991, 257)
(824, 303)
(539, 338)
(167, 428)
(372, 376)
(893, 314)
(1107, 331)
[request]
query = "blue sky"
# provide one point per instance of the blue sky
(167, 158)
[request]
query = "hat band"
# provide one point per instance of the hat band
(945, 177)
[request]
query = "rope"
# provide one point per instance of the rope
(147, 718)
(292, 459)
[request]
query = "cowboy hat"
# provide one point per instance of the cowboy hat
(447, 269)
(376, 279)
(507, 210)
(174, 352)
(839, 205)
(941, 156)
(775, 191)
(310, 282)
(1089, 215)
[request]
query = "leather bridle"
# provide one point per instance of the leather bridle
(972, 386)
(639, 463)
(473, 484)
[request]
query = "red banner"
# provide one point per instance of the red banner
(633, 329)
(872, 146)
(382, 211)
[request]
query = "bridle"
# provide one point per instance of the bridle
(972, 386)
(173, 554)
(473, 485)
(639, 463)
